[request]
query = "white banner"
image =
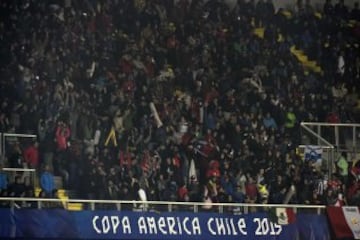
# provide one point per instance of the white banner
(313, 153)
(352, 218)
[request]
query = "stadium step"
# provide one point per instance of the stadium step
(286, 13)
(58, 182)
(259, 32)
(74, 206)
(299, 54)
(64, 196)
(304, 60)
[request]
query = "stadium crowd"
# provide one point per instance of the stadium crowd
(176, 100)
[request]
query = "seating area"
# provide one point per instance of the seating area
(176, 100)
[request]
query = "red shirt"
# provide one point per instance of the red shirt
(213, 173)
(31, 156)
(355, 170)
(125, 159)
(251, 190)
(333, 118)
(334, 184)
(62, 134)
(182, 192)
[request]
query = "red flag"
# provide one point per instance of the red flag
(345, 221)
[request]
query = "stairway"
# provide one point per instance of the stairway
(259, 32)
(304, 60)
(308, 65)
(63, 195)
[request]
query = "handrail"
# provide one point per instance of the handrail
(19, 169)
(324, 147)
(325, 124)
(159, 202)
(316, 135)
(19, 135)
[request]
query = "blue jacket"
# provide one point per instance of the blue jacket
(3, 181)
(47, 182)
(270, 123)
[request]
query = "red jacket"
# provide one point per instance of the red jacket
(251, 190)
(62, 135)
(31, 156)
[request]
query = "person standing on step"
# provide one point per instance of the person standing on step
(47, 182)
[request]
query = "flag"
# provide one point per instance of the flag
(282, 216)
(313, 153)
(345, 221)
(192, 171)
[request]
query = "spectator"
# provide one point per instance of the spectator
(183, 193)
(290, 121)
(62, 135)
(47, 182)
(31, 156)
(278, 190)
(17, 189)
(355, 170)
(112, 191)
(16, 157)
(29, 187)
(3, 179)
(251, 190)
(269, 121)
(140, 196)
(355, 12)
(343, 167)
(328, 8)
(228, 187)
(341, 11)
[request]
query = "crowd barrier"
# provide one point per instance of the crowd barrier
(106, 219)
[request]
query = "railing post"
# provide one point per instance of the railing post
(337, 143)
(118, 206)
(196, 208)
(170, 207)
(92, 206)
(246, 209)
(354, 140)
(39, 204)
(144, 207)
(221, 209)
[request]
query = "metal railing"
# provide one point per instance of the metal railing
(5, 136)
(322, 142)
(335, 138)
(160, 206)
(338, 133)
(23, 173)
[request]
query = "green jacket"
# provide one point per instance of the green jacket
(343, 166)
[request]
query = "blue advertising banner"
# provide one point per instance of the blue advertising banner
(54, 223)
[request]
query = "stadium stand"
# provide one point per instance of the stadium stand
(185, 101)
